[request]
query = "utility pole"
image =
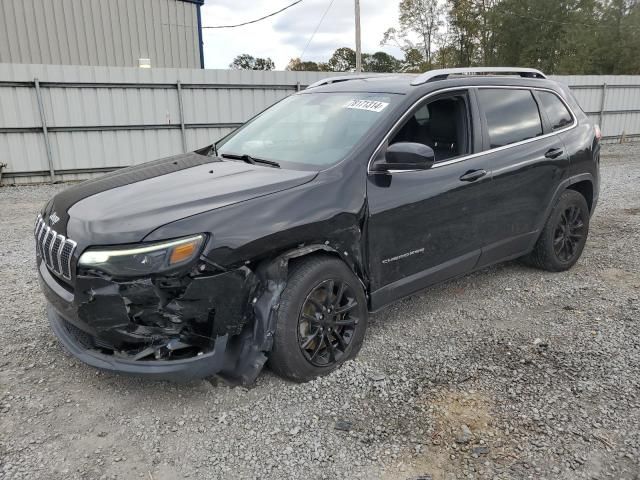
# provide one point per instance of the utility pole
(358, 40)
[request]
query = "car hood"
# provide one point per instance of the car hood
(127, 213)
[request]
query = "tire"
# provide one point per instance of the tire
(564, 235)
(305, 325)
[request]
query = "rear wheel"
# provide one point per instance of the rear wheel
(322, 320)
(563, 238)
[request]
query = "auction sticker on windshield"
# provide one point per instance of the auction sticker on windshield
(369, 105)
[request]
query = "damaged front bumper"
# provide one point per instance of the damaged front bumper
(173, 329)
(73, 340)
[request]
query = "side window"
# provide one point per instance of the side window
(441, 124)
(512, 115)
(555, 110)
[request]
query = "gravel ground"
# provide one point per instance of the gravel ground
(507, 373)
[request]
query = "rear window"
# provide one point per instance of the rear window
(512, 115)
(556, 111)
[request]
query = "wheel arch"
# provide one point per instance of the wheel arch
(584, 188)
(256, 340)
(580, 183)
(300, 253)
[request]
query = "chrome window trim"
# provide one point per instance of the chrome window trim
(478, 154)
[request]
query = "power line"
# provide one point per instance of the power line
(257, 19)
(316, 30)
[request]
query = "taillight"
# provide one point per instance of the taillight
(598, 132)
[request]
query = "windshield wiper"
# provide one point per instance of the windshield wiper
(249, 159)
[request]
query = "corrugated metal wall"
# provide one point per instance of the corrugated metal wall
(612, 101)
(102, 118)
(100, 32)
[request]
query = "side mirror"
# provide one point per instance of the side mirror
(406, 156)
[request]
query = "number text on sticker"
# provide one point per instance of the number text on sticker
(369, 105)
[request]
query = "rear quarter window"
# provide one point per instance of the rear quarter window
(556, 111)
(512, 115)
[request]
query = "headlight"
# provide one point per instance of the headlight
(132, 261)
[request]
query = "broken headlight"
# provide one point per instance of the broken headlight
(134, 261)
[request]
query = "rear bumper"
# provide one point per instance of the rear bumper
(200, 366)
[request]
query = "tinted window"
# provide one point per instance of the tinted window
(512, 115)
(440, 124)
(556, 112)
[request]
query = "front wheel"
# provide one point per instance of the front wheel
(321, 320)
(564, 235)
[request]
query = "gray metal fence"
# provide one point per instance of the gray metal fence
(70, 123)
(73, 122)
(612, 101)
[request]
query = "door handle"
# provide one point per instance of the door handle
(554, 153)
(473, 175)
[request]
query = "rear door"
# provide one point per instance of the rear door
(527, 161)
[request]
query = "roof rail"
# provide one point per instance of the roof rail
(343, 78)
(434, 75)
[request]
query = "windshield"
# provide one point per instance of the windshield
(310, 130)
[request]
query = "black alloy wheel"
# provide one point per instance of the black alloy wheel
(321, 319)
(327, 322)
(569, 234)
(564, 235)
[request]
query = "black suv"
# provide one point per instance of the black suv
(275, 243)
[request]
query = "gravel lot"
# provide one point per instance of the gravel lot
(508, 373)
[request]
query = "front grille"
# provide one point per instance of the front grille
(85, 339)
(82, 337)
(54, 249)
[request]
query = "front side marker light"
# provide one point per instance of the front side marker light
(184, 252)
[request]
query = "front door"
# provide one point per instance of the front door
(424, 225)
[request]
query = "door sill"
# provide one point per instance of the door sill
(421, 280)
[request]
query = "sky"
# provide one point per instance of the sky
(284, 36)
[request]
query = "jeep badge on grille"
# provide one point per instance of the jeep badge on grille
(53, 219)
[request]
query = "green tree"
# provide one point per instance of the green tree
(380, 62)
(414, 61)
(617, 43)
(248, 62)
(557, 36)
(342, 60)
(470, 34)
(297, 65)
(629, 63)
(420, 24)
(461, 43)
